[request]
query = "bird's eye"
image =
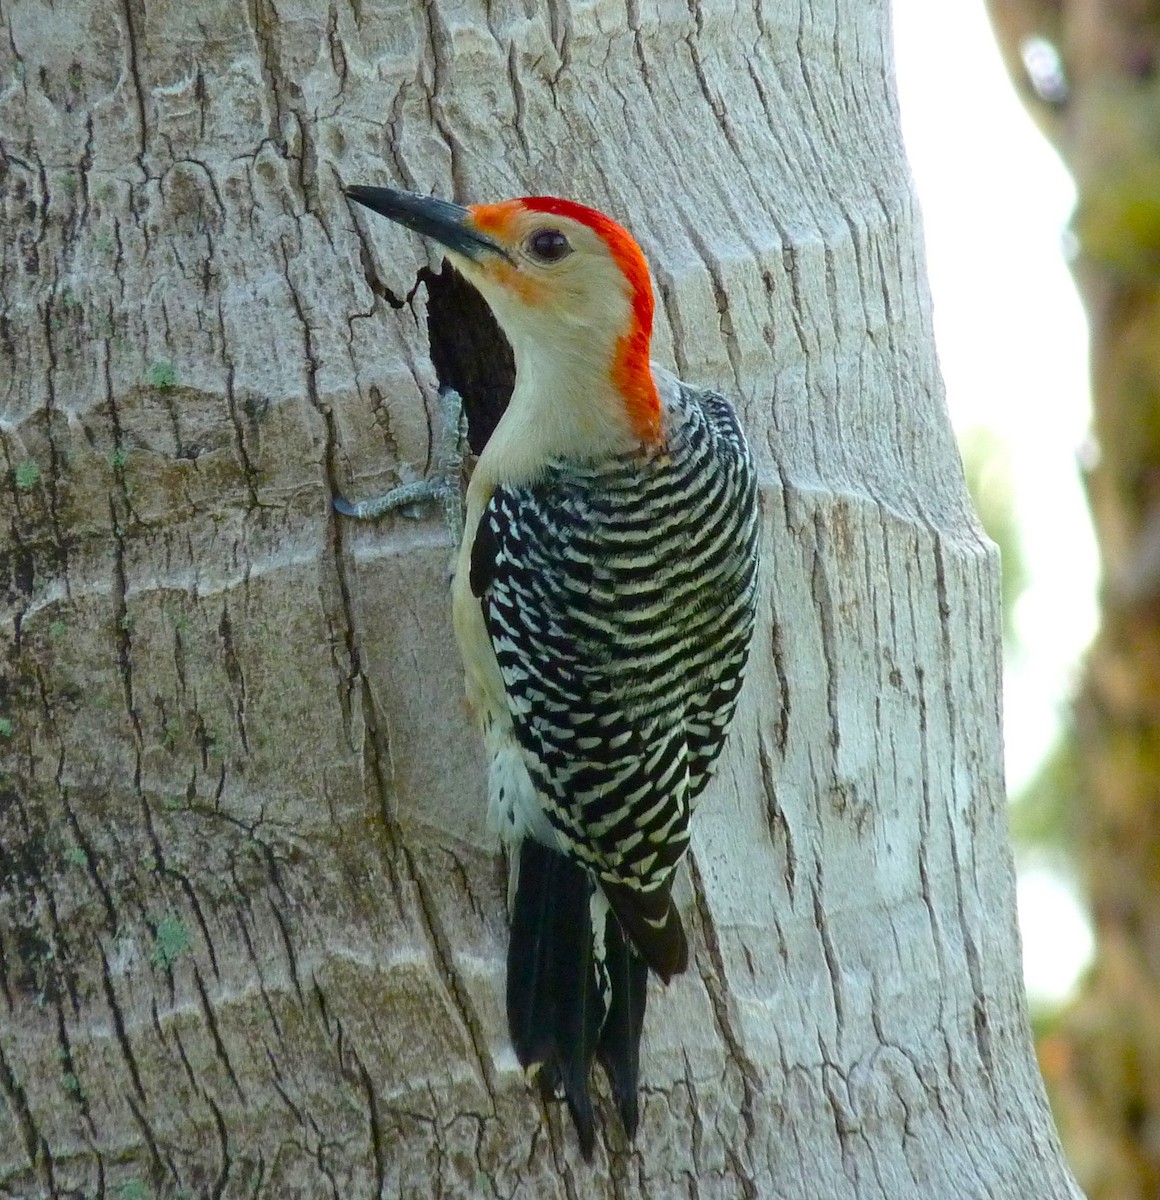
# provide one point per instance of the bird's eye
(548, 245)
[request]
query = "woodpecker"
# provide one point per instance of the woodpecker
(603, 602)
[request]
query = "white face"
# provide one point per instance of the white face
(571, 290)
(560, 286)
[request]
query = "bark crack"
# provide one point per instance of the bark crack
(825, 607)
(445, 957)
(133, 11)
(829, 952)
(223, 1176)
(35, 1144)
(215, 1034)
(715, 982)
(234, 673)
(119, 1027)
(518, 99)
(721, 300)
(775, 818)
(375, 1129)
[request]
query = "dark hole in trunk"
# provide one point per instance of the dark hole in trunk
(469, 351)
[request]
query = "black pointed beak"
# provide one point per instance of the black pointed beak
(449, 224)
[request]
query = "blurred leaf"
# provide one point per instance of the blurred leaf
(1041, 812)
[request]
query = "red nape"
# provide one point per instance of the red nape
(630, 369)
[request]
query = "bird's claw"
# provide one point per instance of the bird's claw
(408, 499)
(442, 487)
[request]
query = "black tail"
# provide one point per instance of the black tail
(574, 993)
(619, 1046)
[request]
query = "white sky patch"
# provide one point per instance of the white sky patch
(1012, 342)
(1057, 939)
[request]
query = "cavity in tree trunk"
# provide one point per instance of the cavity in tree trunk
(251, 925)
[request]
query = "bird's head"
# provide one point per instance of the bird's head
(568, 286)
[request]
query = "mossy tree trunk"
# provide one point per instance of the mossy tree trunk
(251, 925)
(1098, 100)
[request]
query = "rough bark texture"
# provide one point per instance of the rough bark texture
(1104, 1058)
(251, 925)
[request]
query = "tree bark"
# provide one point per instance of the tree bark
(251, 925)
(1103, 1056)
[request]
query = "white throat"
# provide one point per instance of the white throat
(564, 404)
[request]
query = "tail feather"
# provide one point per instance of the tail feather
(653, 925)
(619, 1047)
(554, 1007)
(576, 989)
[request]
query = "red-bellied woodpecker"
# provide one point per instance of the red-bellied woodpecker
(603, 603)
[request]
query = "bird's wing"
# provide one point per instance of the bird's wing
(605, 741)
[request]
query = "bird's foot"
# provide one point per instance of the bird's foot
(409, 499)
(443, 485)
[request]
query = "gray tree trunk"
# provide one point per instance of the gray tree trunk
(251, 925)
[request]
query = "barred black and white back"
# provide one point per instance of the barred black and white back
(618, 595)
